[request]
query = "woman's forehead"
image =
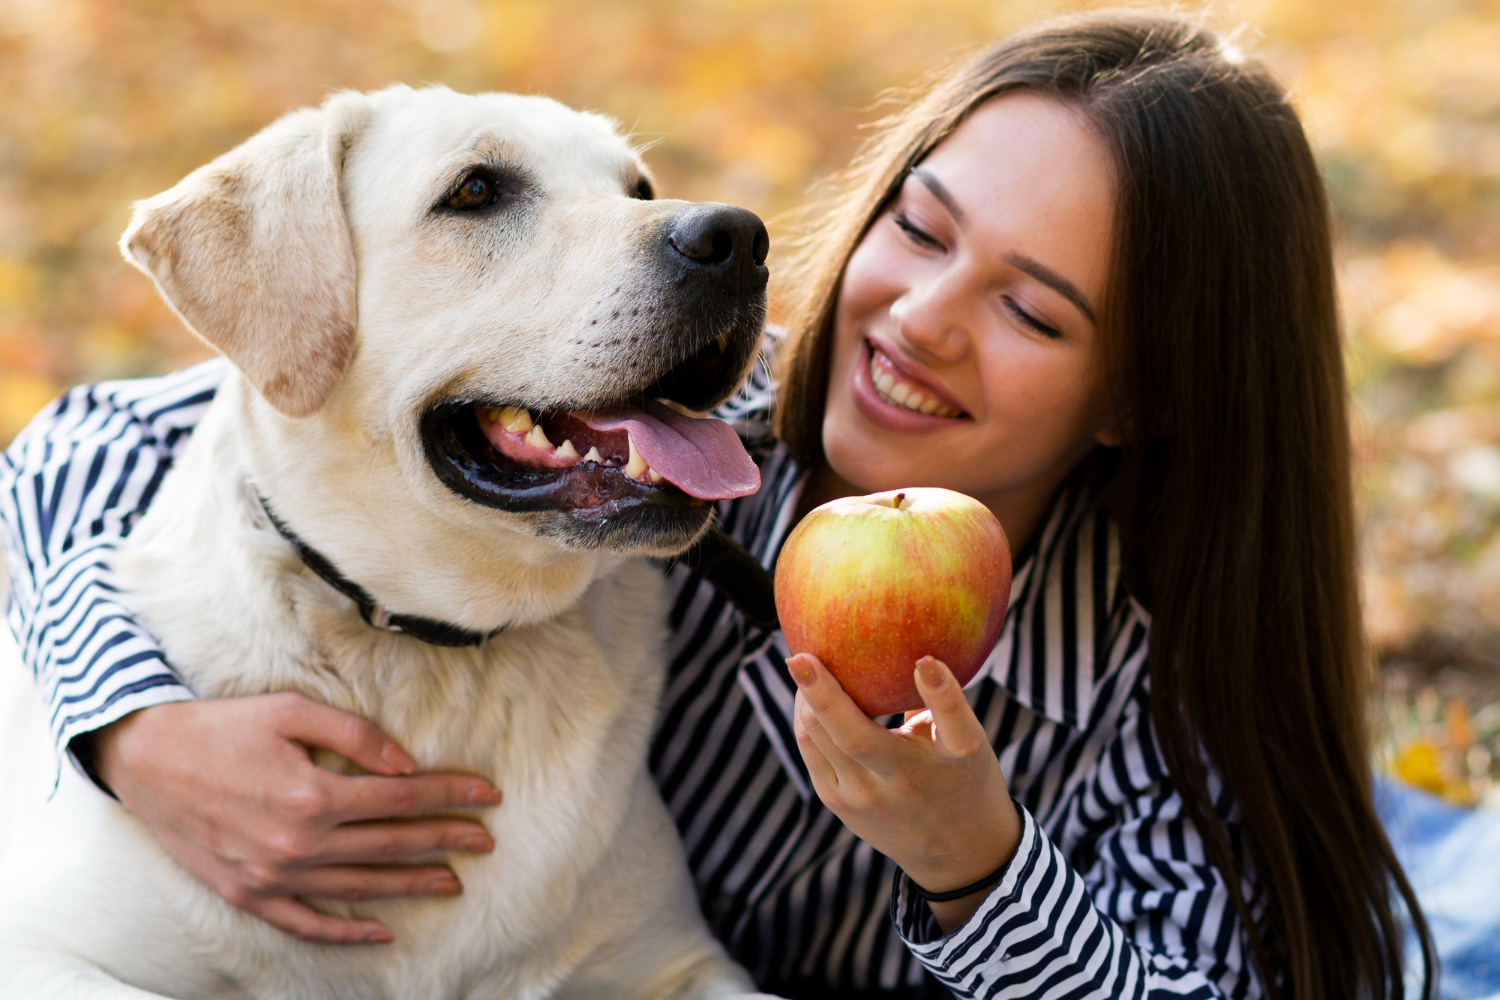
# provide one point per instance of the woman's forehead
(1026, 173)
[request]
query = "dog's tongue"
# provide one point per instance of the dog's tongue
(702, 457)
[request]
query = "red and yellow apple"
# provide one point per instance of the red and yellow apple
(869, 585)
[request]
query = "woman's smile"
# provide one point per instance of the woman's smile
(898, 395)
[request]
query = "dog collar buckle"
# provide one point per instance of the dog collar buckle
(372, 611)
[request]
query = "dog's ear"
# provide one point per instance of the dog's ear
(253, 252)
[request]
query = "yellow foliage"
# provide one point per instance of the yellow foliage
(22, 396)
(1418, 765)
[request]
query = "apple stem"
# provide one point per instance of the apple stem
(897, 502)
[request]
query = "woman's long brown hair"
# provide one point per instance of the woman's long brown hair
(1233, 486)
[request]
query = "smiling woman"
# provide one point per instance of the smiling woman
(1110, 231)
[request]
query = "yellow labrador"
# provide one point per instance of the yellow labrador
(453, 321)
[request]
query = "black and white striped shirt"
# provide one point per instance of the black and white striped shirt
(1109, 894)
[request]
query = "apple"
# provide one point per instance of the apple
(869, 585)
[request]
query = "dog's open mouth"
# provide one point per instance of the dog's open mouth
(650, 442)
(645, 454)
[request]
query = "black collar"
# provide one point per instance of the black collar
(427, 629)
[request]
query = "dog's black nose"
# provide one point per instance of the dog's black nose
(725, 243)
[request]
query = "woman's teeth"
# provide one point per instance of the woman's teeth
(903, 394)
(518, 422)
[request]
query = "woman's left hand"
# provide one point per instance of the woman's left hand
(929, 796)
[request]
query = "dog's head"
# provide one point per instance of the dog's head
(485, 287)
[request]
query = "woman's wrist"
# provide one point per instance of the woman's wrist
(101, 749)
(979, 869)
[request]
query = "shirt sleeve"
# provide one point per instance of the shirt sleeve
(72, 485)
(1136, 910)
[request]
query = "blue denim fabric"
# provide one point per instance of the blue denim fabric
(1452, 857)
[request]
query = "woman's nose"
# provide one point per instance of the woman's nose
(934, 316)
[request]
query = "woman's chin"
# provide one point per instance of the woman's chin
(871, 461)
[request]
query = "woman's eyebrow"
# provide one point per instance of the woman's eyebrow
(1041, 272)
(941, 193)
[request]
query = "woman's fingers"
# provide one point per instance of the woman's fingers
(357, 883)
(956, 730)
(311, 723)
(337, 798)
(388, 843)
(824, 778)
(302, 921)
(849, 732)
(228, 787)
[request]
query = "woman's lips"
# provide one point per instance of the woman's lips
(878, 385)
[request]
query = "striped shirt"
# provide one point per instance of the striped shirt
(1109, 893)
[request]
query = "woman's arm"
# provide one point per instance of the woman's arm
(227, 785)
(1148, 915)
(72, 485)
(1144, 914)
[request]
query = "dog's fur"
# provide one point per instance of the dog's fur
(318, 258)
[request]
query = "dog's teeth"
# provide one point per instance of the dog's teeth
(594, 456)
(566, 449)
(637, 464)
(512, 418)
(537, 439)
(653, 475)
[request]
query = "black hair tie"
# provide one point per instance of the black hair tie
(968, 890)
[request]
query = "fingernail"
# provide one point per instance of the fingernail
(932, 677)
(399, 760)
(379, 937)
(483, 796)
(802, 672)
(476, 842)
(445, 886)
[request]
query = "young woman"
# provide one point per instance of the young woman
(1086, 279)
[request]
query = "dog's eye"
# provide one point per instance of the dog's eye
(643, 190)
(476, 191)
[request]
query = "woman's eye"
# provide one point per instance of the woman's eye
(475, 192)
(1026, 319)
(915, 233)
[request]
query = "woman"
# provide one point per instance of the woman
(1087, 279)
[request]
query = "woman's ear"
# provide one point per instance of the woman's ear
(253, 252)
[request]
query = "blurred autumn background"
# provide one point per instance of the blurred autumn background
(750, 101)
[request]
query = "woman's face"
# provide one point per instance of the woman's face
(965, 349)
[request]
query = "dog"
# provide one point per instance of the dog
(470, 354)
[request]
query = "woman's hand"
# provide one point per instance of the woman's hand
(929, 796)
(230, 789)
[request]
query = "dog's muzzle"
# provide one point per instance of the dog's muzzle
(639, 470)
